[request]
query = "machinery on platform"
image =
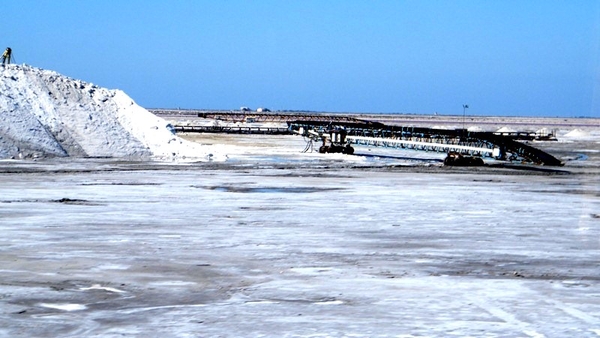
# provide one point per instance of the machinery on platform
(333, 141)
(457, 159)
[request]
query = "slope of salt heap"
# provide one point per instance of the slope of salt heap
(506, 130)
(475, 129)
(577, 134)
(45, 114)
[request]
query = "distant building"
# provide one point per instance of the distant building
(245, 109)
(263, 110)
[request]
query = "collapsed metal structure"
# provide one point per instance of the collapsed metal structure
(339, 135)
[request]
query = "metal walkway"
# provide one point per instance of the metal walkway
(232, 130)
(250, 116)
(483, 144)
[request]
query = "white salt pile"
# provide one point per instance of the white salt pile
(506, 130)
(577, 133)
(45, 114)
(475, 129)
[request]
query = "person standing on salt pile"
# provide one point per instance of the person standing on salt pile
(6, 55)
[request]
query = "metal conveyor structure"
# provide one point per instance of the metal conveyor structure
(478, 144)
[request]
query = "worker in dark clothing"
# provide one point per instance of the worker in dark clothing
(6, 55)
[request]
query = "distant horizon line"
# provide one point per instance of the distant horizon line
(363, 113)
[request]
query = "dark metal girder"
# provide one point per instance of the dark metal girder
(510, 148)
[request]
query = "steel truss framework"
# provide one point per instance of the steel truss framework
(484, 144)
(239, 116)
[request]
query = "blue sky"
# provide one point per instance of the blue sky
(532, 58)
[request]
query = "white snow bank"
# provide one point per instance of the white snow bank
(45, 114)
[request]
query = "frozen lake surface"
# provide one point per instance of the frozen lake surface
(300, 245)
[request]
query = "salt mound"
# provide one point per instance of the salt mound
(506, 130)
(45, 114)
(475, 129)
(577, 133)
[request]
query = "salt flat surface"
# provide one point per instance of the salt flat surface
(299, 245)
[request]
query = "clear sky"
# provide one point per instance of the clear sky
(533, 58)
